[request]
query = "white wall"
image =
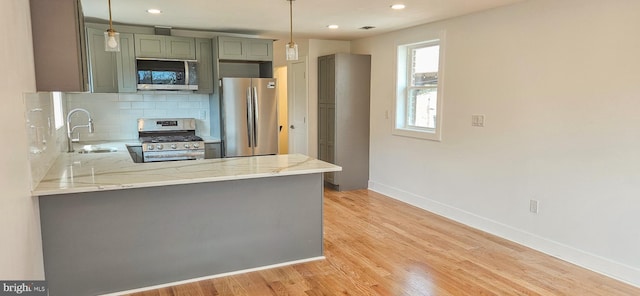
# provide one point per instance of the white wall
(21, 247)
(558, 83)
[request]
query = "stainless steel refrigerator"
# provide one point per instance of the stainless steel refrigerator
(249, 117)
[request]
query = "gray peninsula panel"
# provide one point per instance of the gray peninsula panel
(110, 241)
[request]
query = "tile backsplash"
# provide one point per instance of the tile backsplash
(115, 115)
(45, 141)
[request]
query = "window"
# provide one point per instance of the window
(57, 109)
(418, 94)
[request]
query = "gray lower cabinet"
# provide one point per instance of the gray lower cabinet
(111, 72)
(212, 150)
(165, 47)
(343, 118)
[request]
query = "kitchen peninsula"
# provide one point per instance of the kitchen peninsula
(110, 225)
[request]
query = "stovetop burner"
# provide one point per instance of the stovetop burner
(165, 139)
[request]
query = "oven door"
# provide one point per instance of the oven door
(154, 156)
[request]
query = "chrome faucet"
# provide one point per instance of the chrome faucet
(89, 125)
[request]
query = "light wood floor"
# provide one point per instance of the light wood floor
(378, 246)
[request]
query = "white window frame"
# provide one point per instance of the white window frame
(403, 76)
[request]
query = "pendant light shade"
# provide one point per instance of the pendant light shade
(292, 47)
(111, 37)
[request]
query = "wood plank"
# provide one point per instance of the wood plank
(376, 245)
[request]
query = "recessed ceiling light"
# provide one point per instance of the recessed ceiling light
(154, 11)
(397, 6)
(333, 27)
(367, 28)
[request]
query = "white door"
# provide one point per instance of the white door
(298, 100)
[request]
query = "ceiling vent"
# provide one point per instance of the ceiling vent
(163, 30)
(367, 28)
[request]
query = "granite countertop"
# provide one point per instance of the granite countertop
(75, 172)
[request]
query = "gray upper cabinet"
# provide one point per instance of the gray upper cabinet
(149, 46)
(244, 49)
(204, 55)
(111, 72)
(259, 50)
(343, 118)
(126, 64)
(102, 64)
(165, 47)
(59, 45)
(180, 48)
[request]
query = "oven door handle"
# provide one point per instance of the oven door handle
(249, 117)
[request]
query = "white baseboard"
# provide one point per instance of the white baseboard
(214, 276)
(607, 267)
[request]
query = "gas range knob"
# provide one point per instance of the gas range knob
(196, 145)
(174, 146)
(186, 146)
(159, 146)
(150, 147)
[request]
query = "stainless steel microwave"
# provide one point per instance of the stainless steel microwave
(164, 74)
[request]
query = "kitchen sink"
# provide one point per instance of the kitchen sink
(96, 149)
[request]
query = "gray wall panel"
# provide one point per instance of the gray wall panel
(112, 241)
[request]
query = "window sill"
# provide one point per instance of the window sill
(418, 134)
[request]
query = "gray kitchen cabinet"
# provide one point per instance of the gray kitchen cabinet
(126, 64)
(165, 47)
(343, 118)
(111, 72)
(204, 55)
(180, 48)
(244, 49)
(103, 76)
(212, 150)
(149, 46)
(59, 45)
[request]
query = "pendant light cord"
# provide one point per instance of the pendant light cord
(290, 22)
(110, 23)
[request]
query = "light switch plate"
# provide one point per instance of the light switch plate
(477, 120)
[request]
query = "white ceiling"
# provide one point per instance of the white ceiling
(270, 18)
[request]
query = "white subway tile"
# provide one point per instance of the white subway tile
(130, 97)
(167, 105)
(124, 105)
(154, 97)
(143, 105)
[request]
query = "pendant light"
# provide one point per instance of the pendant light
(292, 47)
(111, 37)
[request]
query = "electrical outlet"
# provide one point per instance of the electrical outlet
(477, 120)
(533, 206)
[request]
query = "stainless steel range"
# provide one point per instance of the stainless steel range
(165, 139)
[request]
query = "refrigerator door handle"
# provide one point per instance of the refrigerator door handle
(255, 117)
(250, 121)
